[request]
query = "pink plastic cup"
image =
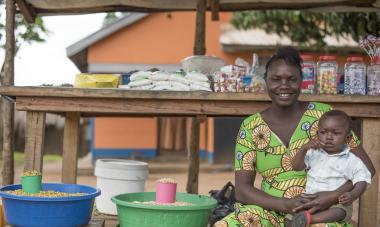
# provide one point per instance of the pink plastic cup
(165, 192)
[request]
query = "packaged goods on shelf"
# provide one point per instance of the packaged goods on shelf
(139, 75)
(373, 77)
(85, 80)
(371, 44)
(175, 81)
(355, 76)
(308, 74)
(327, 68)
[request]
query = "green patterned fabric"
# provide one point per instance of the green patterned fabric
(259, 149)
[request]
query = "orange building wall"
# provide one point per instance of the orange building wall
(125, 133)
(160, 38)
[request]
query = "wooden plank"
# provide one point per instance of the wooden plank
(200, 28)
(193, 156)
(16, 91)
(52, 7)
(368, 201)
(34, 140)
(70, 148)
(141, 107)
(215, 5)
(154, 107)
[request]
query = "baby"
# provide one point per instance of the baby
(330, 164)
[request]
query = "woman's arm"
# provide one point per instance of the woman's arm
(360, 153)
(246, 193)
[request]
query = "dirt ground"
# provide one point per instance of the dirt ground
(211, 176)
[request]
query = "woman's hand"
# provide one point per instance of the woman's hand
(318, 201)
(295, 202)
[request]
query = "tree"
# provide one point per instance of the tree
(24, 31)
(309, 28)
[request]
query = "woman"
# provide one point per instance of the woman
(267, 142)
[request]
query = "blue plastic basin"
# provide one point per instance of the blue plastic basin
(27, 211)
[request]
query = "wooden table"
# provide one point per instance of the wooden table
(74, 103)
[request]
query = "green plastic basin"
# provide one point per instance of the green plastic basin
(146, 215)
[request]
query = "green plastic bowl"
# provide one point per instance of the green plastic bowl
(146, 215)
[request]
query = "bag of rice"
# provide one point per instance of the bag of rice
(178, 77)
(196, 76)
(162, 83)
(201, 83)
(195, 87)
(138, 83)
(159, 76)
(140, 75)
(177, 86)
(146, 87)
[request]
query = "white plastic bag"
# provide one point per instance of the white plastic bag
(140, 75)
(196, 76)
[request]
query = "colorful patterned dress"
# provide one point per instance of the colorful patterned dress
(258, 148)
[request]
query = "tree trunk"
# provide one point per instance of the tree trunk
(8, 107)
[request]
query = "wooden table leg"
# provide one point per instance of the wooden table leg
(193, 156)
(70, 148)
(34, 140)
(368, 201)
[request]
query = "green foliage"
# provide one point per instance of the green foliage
(24, 31)
(309, 28)
(112, 17)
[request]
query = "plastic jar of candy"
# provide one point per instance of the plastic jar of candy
(308, 74)
(327, 69)
(373, 77)
(355, 76)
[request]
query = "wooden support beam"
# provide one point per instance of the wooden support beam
(368, 201)
(27, 11)
(8, 107)
(34, 140)
(200, 28)
(215, 7)
(70, 148)
(193, 156)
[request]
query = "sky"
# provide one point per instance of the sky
(46, 63)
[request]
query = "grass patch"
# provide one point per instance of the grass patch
(19, 158)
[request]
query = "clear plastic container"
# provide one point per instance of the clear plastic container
(373, 77)
(308, 74)
(355, 76)
(327, 71)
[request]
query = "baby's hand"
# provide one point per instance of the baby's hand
(312, 144)
(346, 198)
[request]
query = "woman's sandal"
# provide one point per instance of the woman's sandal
(301, 219)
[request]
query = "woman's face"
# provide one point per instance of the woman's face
(283, 83)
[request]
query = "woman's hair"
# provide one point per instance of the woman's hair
(288, 54)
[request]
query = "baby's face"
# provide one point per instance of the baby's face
(333, 133)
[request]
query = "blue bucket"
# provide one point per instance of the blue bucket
(28, 211)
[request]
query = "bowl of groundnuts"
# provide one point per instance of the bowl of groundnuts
(58, 205)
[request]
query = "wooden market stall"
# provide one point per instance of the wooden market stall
(75, 103)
